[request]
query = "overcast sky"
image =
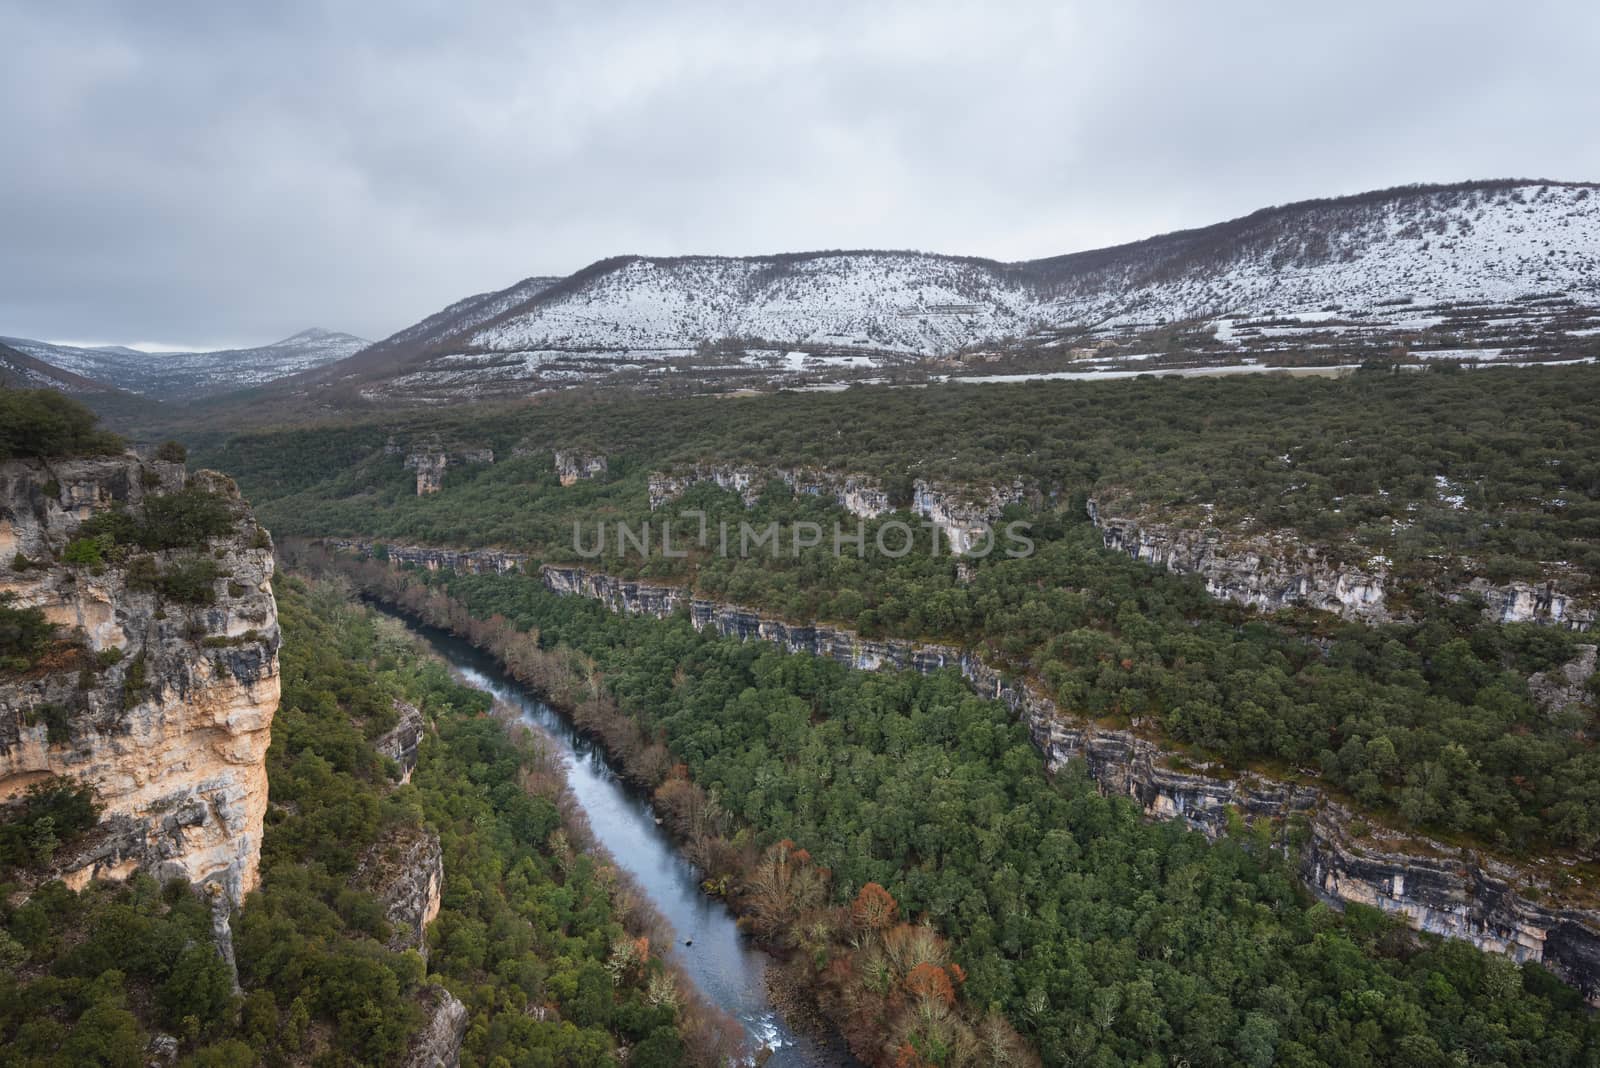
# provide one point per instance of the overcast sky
(216, 174)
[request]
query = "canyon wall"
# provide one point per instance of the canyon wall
(164, 706)
(467, 561)
(404, 870)
(1434, 887)
(1275, 570)
(962, 514)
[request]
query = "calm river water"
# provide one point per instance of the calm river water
(722, 962)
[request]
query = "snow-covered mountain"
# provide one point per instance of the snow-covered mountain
(186, 375)
(18, 370)
(1496, 269)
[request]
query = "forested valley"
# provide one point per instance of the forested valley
(1104, 939)
(537, 936)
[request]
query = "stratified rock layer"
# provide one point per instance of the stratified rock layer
(166, 708)
(1273, 571)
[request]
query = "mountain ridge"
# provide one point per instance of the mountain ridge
(1332, 265)
(180, 375)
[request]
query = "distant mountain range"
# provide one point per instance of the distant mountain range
(1503, 270)
(18, 370)
(187, 375)
(1480, 270)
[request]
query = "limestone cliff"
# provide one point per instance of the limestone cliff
(960, 513)
(438, 1043)
(1264, 571)
(1277, 570)
(402, 742)
(405, 871)
(429, 458)
(573, 465)
(163, 703)
(964, 515)
(1498, 907)
(467, 561)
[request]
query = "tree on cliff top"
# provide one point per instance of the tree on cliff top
(42, 422)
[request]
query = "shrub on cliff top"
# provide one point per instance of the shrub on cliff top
(185, 519)
(42, 422)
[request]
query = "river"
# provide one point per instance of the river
(723, 963)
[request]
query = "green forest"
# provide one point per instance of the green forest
(530, 917)
(1496, 471)
(1429, 724)
(1104, 939)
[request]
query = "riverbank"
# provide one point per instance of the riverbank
(727, 970)
(889, 984)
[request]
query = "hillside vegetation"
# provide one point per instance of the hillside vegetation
(1105, 939)
(529, 917)
(1429, 723)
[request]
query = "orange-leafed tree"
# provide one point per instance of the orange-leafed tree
(874, 908)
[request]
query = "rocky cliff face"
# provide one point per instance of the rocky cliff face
(467, 561)
(960, 513)
(402, 742)
(573, 465)
(405, 871)
(860, 495)
(1562, 688)
(1264, 572)
(165, 706)
(1272, 571)
(1452, 892)
(430, 459)
(429, 465)
(438, 1044)
(1523, 602)
(964, 517)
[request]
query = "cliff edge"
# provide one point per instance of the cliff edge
(159, 681)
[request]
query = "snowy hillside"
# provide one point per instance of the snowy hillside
(18, 370)
(1507, 270)
(1436, 246)
(181, 375)
(889, 302)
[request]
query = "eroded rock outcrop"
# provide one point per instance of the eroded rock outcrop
(1524, 602)
(467, 561)
(1564, 687)
(163, 703)
(429, 465)
(429, 458)
(1264, 571)
(438, 1043)
(962, 514)
(573, 465)
(1277, 570)
(402, 742)
(405, 871)
(1449, 891)
(860, 495)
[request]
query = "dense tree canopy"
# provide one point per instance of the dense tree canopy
(46, 422)
(528, 918)
(1106, 939)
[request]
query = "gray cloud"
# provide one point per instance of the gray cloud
(216, 174)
